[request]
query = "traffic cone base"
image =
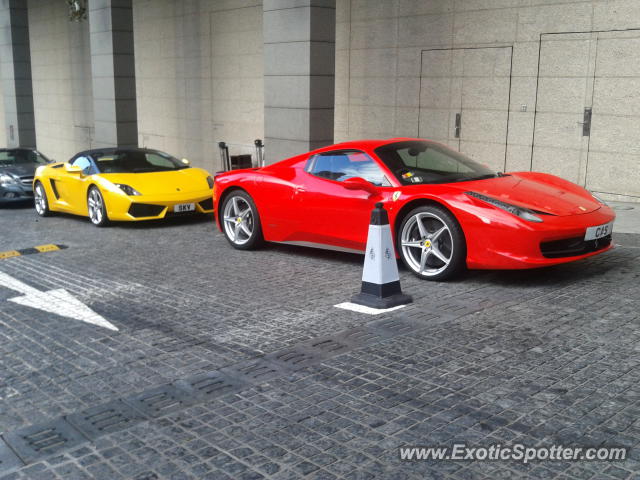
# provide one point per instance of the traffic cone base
(380, 280)
(382, 299)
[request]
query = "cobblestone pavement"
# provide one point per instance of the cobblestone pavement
(537, 357)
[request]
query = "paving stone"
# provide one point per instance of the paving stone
(497, 357)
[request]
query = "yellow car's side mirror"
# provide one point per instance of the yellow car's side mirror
(72, 168)
(185, 161)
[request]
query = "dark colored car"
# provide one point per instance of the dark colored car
(17, 168)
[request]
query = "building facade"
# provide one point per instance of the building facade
(550, 85)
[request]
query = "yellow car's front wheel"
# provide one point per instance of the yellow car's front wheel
(40, 200)
(96, 208)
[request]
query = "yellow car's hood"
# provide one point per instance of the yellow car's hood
(155, 183)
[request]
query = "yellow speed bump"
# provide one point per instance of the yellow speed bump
(47, 248)
(28, 251)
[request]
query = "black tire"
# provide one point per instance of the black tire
(40, 200)
(96, 207)
(241, 227)
(449, 245)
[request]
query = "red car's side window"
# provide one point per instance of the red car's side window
(342, 165)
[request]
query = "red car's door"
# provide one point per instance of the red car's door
(331, 210)
(275, 197)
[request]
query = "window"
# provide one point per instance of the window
(432, 159)
(340, 166)
(136, 161)
(160, 161)
(85, 164)
(424, 162)
(18, 156)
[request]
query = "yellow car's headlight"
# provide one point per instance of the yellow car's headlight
(210, 181)
(127, 189)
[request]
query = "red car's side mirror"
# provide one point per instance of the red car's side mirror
(359, 183)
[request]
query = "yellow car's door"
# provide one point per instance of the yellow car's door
(73, 183)
(52, 182)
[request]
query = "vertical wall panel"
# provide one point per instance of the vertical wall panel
(61, 71)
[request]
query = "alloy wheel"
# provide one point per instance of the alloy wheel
(427, 244)
(96, 207)
(40, 200)
(238, 220)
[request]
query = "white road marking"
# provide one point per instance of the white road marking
(57, 301)
(363, 309)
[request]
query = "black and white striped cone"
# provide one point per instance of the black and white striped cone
(380, 279)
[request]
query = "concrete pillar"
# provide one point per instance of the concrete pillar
(113, 73)
(299, 75)
(15, 63)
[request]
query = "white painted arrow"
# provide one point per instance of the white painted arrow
(57, 301)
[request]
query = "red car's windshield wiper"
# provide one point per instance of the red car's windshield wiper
(480, 177)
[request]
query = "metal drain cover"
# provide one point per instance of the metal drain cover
(455, 308)
(360, 337)
(8, 459)
(294, 358)
(327, 346)
(254, 371)
(107, 418)
(209, 385)
(400, 325)
(159, 401)
(38, 441)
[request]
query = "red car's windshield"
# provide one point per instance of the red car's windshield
(416, 162)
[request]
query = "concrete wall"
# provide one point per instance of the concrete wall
(3, 127)
(61, 71)
(381, 72)
(403, 68)
(199, 76)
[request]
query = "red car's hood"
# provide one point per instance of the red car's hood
(537, 194)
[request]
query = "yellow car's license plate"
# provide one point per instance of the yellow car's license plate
(184, 207)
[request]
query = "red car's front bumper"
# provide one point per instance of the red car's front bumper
(518, 245)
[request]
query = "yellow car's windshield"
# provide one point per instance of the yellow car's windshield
(136, 161)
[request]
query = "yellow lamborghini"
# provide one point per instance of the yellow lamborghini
(122, 184)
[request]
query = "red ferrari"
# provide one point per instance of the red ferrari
(446, 211)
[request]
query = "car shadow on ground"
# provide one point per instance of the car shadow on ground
(140, 225)
(316, 253)
(165, 222)
(558, 275)
(17, 205)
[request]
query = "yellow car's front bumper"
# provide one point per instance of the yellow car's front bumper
(150, 207)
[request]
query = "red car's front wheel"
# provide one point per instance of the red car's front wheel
(431, 243)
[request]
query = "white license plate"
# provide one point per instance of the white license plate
(184, 207)
(599, 231)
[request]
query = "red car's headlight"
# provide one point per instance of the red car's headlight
(598, 199)
(524, 213)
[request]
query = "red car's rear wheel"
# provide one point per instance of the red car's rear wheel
(431, 243)
(241, 223)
